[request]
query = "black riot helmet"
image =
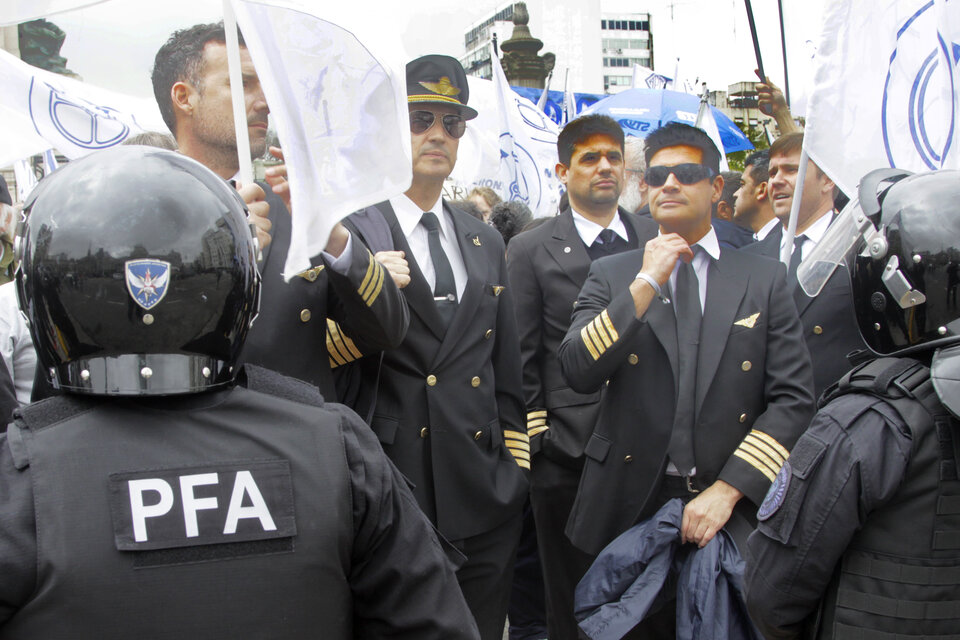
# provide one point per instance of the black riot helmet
(137, 274)
(906, 272)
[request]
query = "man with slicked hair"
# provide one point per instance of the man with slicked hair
(706, 380)
(547, 267)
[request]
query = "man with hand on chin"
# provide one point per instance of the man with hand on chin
(708, 381)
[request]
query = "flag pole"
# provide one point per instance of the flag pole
(236, 91)
(542, 102)
(756, 41)
(791, 231)
(783, 47)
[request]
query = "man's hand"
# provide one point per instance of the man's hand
(708, 512)
(770, 98)
(772, 103)
(253, 195)
(661, 254)
(397, 265)
(276, 177)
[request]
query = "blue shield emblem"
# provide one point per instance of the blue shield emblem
(147, 281)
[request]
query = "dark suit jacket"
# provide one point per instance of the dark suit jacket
(449, 410)
(290, 334)
(547, 266)
(829, 320)
(753, 388)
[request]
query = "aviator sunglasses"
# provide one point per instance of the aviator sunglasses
(421, 121)
(687, 173)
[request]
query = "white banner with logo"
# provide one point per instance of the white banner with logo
(510, 147)
(886, 89)
(40, 110)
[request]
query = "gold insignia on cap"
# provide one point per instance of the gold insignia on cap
(748, 322)
(443, 87)
(497, 289)
(476, 240)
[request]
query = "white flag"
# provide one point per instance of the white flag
(645, 78)
(17, 11)
(885, 89)
(340, 112)
(528, 150)
(707, 123)
(40, 110)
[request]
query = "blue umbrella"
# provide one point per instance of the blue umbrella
(640, 111)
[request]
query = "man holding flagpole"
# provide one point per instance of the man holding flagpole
(293, 333)
(449, 410)
(829, 323)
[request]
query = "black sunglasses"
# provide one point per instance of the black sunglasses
(421, 121)
(687, 173)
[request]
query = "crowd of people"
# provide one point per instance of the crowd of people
(603, 423)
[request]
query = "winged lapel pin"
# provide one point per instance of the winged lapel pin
(747, 322)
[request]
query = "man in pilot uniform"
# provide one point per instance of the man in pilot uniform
(707, 392)
(449, 410)
(346, 285)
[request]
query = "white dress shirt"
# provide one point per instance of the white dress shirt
(811, 236)
(701, 264)
(409, 214)
(766, 229)
(588, 230)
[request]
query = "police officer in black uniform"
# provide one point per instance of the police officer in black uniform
(168, 494)
(859, 536)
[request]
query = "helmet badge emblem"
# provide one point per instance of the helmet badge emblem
(147, 281)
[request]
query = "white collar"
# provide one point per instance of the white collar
(708, 243)
(409, 214)
(815, 231)
(588, 230)
(767, 228)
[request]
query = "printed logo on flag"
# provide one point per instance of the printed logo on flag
(918, 115)
(147, 281)
(656, 81)
(526, 178)
(74, 121)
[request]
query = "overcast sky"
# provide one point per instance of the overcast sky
(113, 44)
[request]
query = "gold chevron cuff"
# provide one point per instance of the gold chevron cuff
(536, 422)
(599, 335)
(763, 453)
(372, 281)
(340, 347)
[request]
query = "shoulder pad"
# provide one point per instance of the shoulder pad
(276, 384)
(54, 409)
(888, 378)
(373, 228)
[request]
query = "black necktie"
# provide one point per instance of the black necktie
(607, 243)
(445, 288)
(795, 259)
(687, 301)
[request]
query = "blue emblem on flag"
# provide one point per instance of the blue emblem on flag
(776, 494)
(147, 281)
(919, 116)
(69, 121)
